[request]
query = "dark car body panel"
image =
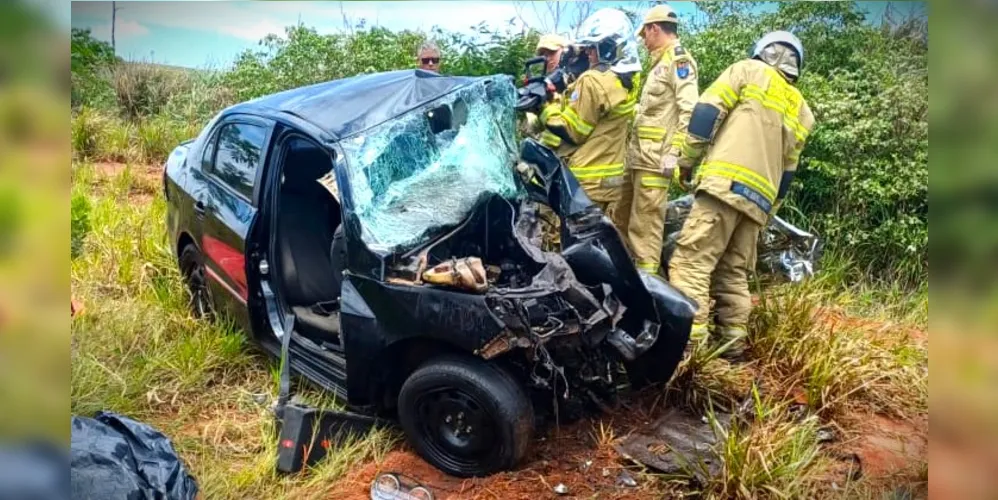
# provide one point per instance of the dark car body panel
(377, 312)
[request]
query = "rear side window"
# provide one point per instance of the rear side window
(237, 155)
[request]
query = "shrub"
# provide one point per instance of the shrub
(863, 178)
(79, 213)
(86, 129)
(143, 90)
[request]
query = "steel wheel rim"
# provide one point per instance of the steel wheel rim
(198, 288)
(457, 429)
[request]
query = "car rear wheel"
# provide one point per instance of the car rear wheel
(192, 269)
(465, 416)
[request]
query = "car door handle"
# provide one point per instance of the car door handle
(199, 208)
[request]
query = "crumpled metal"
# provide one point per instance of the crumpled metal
(785, 251)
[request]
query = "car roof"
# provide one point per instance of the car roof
(352, 105)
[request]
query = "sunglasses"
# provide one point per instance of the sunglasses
(430, 60)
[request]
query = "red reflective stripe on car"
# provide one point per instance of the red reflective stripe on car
(232, 262)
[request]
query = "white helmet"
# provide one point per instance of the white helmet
(784, 37)
(612, 33)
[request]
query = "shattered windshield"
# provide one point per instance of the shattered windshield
(424, 171)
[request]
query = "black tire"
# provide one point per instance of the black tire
(467, 417)
(192, 269)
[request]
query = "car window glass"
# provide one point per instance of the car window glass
(239, 148)
(209, 153)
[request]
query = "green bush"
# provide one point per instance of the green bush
(863, 179)
(86, 128)
(79, 213)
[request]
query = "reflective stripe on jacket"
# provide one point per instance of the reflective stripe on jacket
(663, 113)
(589, 128)
(761, 127)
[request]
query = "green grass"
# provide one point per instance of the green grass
(137, 350)
(852, 290)
(98, 135)
(838, 360)
(769, 454)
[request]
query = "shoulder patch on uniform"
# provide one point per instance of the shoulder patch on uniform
(575, 95)
(683, 69)
(680, 51)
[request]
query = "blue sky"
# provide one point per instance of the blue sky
(197, 33)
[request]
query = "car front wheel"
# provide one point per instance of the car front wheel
(465, 416)
(192, 269)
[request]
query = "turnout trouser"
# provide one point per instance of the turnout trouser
(641, 216)
(714, 255)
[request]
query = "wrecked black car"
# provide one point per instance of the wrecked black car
(382, 226)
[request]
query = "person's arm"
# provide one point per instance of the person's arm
(708, 115)
(683, 73)
(791, 156)
(575, 120)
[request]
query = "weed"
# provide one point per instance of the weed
(771, 454)
(79, 213)
(86, 129)
(118, 142)
(838, 361)
(704, 379)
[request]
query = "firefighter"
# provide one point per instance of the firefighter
(752, 122)
(588, 129)
(663, 114)
(550, 47)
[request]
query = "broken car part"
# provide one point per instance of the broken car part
(785, 251)
(679, 443)
(416, 282)
(395, 486)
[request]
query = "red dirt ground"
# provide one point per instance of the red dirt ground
(889, 452)
(886, 446)
(147, 179)
(570, 457)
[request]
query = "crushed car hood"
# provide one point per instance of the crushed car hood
(439, 190)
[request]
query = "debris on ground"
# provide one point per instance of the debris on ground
(626, 480)
(395, 486)
(561, 489)
(785, 251)
(826, 435)
(677, 442)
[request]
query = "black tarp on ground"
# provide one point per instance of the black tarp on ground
(115, 457)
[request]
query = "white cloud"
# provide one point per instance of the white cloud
(251, 31)
(123, 29)
(254, 20)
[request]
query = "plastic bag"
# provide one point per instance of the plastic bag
(115, 457)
